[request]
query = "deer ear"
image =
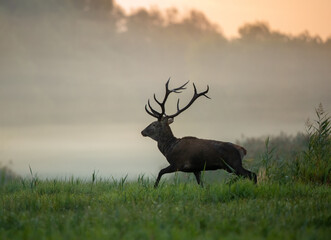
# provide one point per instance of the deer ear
(170, 120)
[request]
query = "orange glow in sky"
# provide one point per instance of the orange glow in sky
(286, 16)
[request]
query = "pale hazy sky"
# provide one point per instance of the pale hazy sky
(288, 16)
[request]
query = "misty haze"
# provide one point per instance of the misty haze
(75, 77)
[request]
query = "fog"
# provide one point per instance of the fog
(75, 77)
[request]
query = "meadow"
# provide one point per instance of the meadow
(111, 209)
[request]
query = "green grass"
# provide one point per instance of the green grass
(75, 209)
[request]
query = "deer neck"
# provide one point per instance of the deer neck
(166, 142)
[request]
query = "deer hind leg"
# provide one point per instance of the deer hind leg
(169, 169)
(198, 178)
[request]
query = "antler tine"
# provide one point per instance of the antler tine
(152, 112)
(179, 89)
(149, 112)
(205, 92)
(195, 96)
(156, 113)
(167, 93)
(175, 90)
(178, 105)
(156, 99)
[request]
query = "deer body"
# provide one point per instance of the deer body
(191, 154)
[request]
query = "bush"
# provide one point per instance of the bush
(311, 164)
(314, 165)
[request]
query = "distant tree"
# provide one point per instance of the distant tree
(260, 32)
(257, 31)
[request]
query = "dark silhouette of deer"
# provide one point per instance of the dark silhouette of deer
(191, 154)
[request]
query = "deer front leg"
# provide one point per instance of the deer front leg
(169, 169)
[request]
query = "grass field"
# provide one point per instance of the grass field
(101, 209)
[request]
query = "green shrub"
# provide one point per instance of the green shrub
(314, 165)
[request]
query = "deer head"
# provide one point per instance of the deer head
(160, 129)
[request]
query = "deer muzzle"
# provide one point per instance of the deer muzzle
(143, 132)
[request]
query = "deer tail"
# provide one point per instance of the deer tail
(241, 150)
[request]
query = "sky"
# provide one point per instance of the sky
(74, 79)
(289, 16)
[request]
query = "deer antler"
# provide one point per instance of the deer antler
(195, 97)
(159, 115)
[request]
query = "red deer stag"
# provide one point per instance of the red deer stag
(191, 154)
